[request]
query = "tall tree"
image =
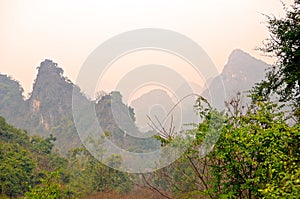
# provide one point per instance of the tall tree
(283, 78)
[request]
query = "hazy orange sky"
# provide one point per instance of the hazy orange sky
(68, 31)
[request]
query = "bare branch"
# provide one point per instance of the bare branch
(154, 188)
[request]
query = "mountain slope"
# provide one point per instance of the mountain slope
(240, 73)
(155, 103)
(48, 110)
(12, 105)
(49, 107)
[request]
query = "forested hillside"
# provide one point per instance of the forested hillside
(48, 110)
(29, 168)
(242, 146)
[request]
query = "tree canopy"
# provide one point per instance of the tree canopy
(283, 78)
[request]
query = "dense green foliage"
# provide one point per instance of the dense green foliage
(28, 166)
(50, 188)
(16, 169)
(283, 78)
(257, 156)
(25, 160)
(246, 151)
(89, 175)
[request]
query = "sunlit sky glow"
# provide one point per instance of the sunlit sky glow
(68, 31)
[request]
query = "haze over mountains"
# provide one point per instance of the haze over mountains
(48, 110)
(240, 73)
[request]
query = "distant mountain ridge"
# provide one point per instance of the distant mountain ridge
(240, 74)
(11, 101)
(48, 110)
(154, 103)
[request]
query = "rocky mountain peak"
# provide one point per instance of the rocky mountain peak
(48, 66)
(238, 53)
(51, 82)
(242, 62)
(240, 73)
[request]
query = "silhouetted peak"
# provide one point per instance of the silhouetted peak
(50, 84)
(238, 53)
(154, 95)
(239, 61)
(5, 78)
(8, 82)
(240, 73)
(48, 66)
